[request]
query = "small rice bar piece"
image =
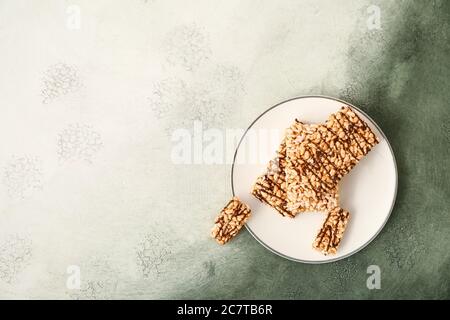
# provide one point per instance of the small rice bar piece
(230, 220)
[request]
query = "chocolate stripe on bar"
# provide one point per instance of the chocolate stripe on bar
(332, 231)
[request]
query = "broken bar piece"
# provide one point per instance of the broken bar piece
(230, 220)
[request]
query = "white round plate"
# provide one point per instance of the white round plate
(368, 192)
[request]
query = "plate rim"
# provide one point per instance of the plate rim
(395, 188)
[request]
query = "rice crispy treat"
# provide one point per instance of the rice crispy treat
(307, 185)
(270, 188)
(230, 220)
(332, 231)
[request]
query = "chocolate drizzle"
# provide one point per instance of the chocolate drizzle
(330, 235)
(260, 189)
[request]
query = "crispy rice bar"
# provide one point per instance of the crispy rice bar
(330, 236)
(271, 188)
(318, 156)
(230, 220)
